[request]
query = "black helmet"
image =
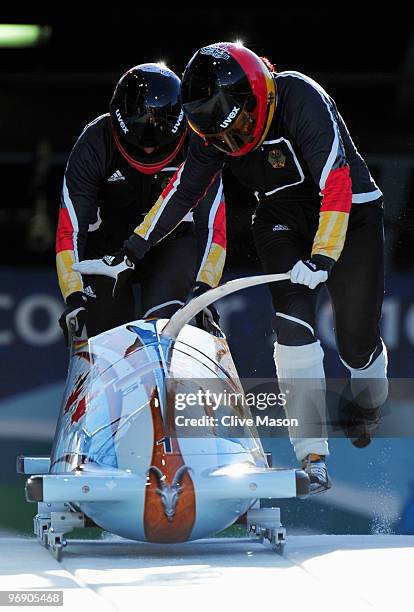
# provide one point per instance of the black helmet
(146, 112)
(228, 95)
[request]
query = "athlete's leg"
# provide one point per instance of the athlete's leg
(356, 286)
(169, 273)
(104, 310)
(298, 355)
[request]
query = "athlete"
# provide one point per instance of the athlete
(319, 216)
(120, 164)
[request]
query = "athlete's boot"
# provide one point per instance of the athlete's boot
(314, 465)
(360, 424)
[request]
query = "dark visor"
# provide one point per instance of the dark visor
(233, 138)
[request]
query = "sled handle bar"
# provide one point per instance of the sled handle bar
(197, 304)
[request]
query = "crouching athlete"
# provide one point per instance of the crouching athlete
(120, 164)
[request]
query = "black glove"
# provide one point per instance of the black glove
(208, 318)
(73, 318)
(136, 247)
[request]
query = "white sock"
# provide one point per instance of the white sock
(300, 369)
(369, 386)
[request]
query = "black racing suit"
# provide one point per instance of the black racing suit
(102, 198)
(316, 197)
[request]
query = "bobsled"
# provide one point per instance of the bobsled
(121, 459)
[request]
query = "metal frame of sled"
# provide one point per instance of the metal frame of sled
(58, 496)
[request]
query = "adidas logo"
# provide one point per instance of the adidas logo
(310, 264)
(116, 176)
(280, 228)
(89, 292)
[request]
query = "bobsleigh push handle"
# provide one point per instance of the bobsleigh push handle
(185, 314)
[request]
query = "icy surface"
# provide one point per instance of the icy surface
(316, 573)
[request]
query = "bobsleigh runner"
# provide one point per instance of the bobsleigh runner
(118, 461)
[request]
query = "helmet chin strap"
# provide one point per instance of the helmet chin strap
(148, 168)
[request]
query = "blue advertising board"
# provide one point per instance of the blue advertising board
(33, 354)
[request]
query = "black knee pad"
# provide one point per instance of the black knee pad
(292, 333)
(360, 361)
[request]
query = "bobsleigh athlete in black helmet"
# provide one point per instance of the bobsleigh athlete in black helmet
(319, 217)
(121, 163)
(147, 119)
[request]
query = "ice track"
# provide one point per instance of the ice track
(316, 573)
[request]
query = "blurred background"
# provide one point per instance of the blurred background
(56, 79)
